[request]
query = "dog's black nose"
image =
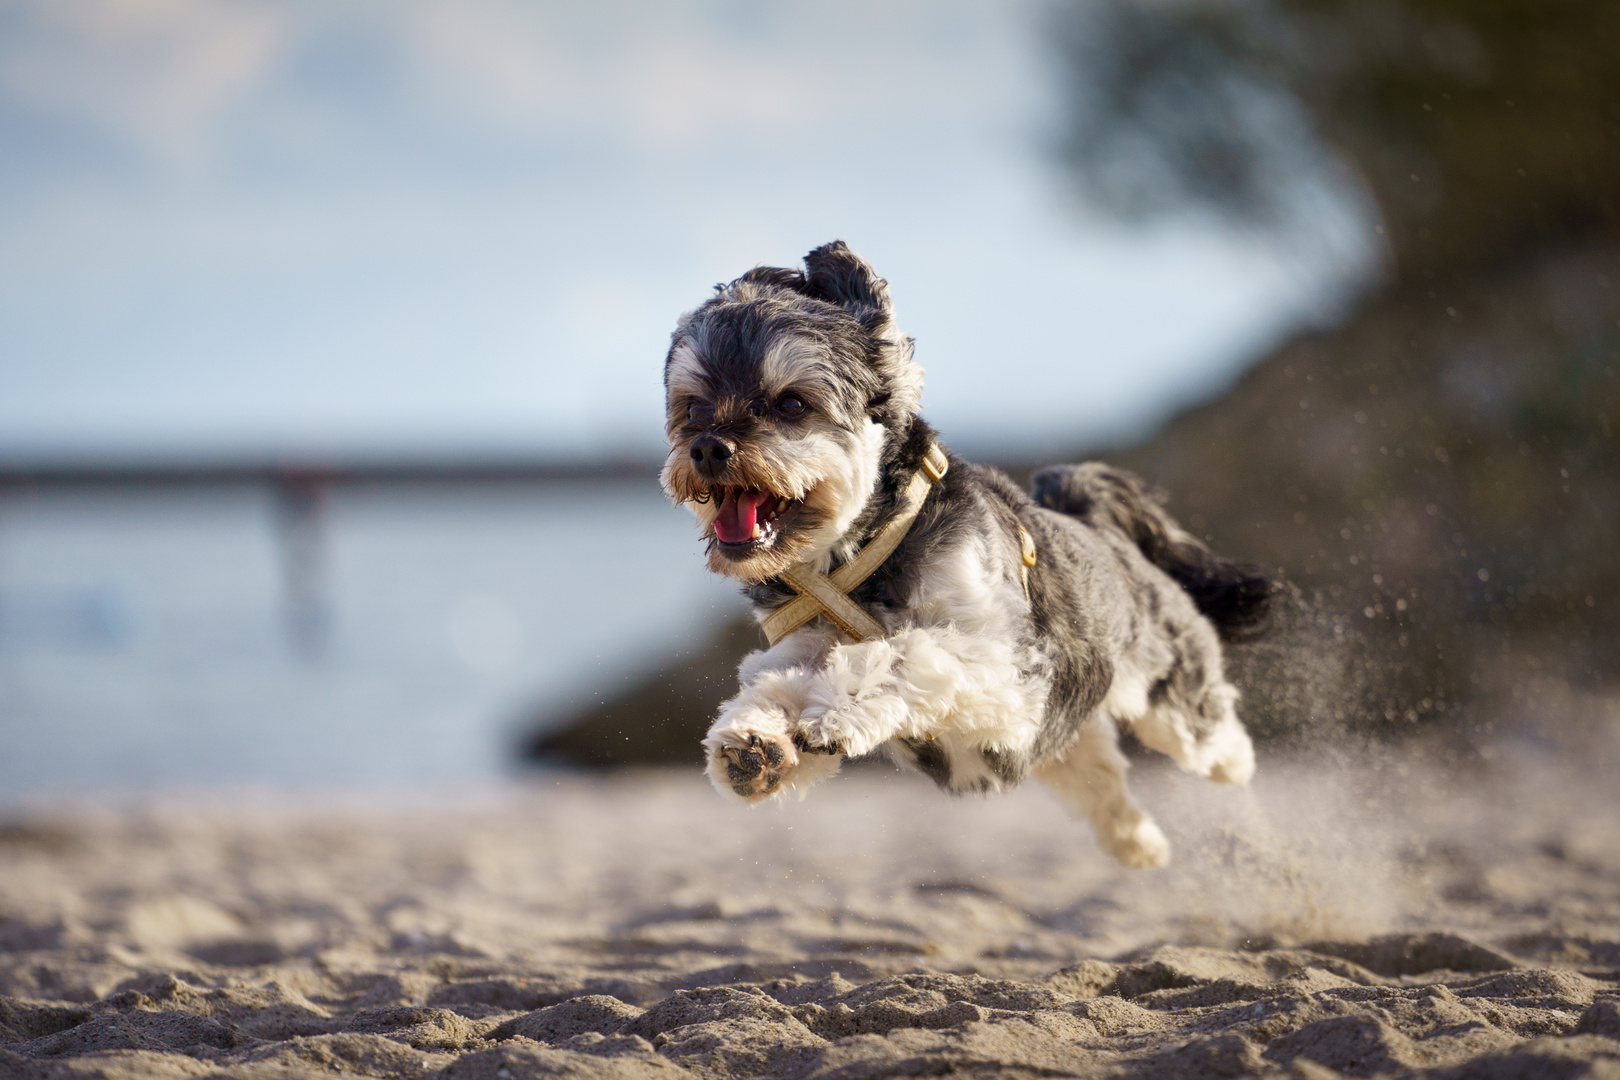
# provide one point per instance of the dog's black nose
(710, 453)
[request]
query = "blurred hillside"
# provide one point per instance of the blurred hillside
(1450, 484)
(1438, 474)
(1443, 462)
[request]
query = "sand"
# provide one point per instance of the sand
(1389, 914)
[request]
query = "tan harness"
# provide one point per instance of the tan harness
(824, 594)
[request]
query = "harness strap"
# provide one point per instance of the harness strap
(1026, 544)
(826, 598)
(823, 594)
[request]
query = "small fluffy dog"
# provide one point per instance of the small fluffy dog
(795, 438)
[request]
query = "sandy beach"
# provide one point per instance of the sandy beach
(1374, 914)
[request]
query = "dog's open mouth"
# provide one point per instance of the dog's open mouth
(751, 518)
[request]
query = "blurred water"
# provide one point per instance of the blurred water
(146, 639)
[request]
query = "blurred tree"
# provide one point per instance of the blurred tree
(1483, 129)
(1442, 464)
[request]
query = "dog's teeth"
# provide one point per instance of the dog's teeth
(758, 532)
(781, 506)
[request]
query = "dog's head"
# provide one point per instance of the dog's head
(782, 392)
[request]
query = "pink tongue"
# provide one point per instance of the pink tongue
(738, 512)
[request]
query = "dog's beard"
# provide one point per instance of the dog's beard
(780, 501)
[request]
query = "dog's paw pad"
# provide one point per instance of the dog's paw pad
(758, 767)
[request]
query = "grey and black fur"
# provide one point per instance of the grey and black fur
(793, 412)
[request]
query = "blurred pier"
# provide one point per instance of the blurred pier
(160, 474)
(300, 493)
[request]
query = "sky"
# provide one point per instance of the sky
(233, 228)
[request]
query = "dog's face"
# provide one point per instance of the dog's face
(780, 393)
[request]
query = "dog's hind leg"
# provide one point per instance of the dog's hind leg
(1191, 715)
(1206, 739)
(1090, 780)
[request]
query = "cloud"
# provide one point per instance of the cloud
(297, 220)
(156, 75)
(667, 75)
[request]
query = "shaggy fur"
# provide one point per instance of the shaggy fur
(793, 428)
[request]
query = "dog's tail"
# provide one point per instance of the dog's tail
(1236, 597)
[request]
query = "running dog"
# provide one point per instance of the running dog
(922, 606)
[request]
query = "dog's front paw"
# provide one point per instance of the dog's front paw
(817, 740)
(752, 764)
(830, 733)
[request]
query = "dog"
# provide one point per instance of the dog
(1008, 635)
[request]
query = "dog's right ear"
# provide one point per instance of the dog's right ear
(838, 275)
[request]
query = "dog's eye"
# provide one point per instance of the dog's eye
(790, 406)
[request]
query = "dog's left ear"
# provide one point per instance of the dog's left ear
(836, 274)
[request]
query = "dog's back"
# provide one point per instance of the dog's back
(1235, 596)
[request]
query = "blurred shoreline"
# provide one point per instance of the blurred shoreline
(116, 471)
